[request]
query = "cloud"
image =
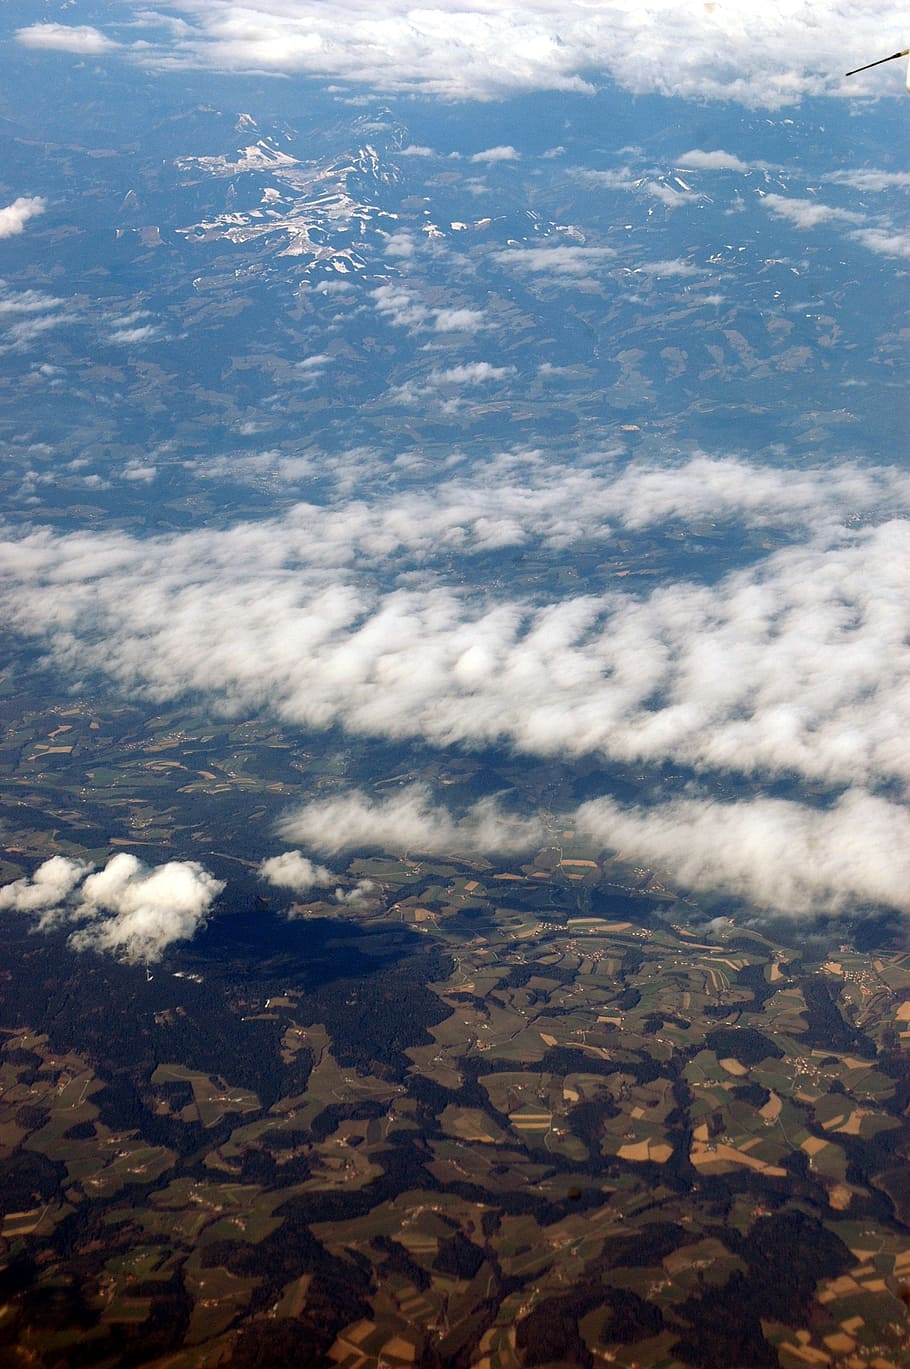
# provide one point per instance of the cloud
(558, 260)
(127, 337)
(794, 664)
(496, 154)
(14, 217)
(808, 213)
(292, 870)
(674, 266)
(773, 55)
(26, 301)
(402, 244)
(137, 912)
(459, 320)
(408, 821)
(716, 160)
(51, 885)
(470, 373)
(797, 859)
(400, 307)
(887, 244)
(77, 38)
(126, 908)
(465, 374)
(870, 179)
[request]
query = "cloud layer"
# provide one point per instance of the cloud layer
(127, 908)
(770, 54)
(366, 616)
(798, 664)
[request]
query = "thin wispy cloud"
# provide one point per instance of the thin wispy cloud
(558, 259)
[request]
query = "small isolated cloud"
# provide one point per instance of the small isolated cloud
(871, 179)
(797, 859)
(673, 266)
(885, 243)
(559, 260)
(400, 307)
(401, 244)
(440, 378)
(416, 150)
(496, 154)
(359, 896)
(717, 160)
(128, 337)
(127, 908)
(459, 320)
(79, 38)
(808, 213)
(668, 194)
(408, 821)
(470, 373)
(312, 367)
(139, 471)
(14, 217)
(292, 870)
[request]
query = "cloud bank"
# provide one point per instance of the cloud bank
(128, 909)
(788, 856)
(798, 664)
(769, 55)
(367, 616)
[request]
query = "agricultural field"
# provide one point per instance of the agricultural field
(589, 1130)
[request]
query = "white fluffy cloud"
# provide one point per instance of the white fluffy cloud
(796, 664)
(408, 821)
(716, 160)
(14, 217)
(50, 886)
(292, 870)
(769, 54)
(788, 856)
(126, 908)
(808, 213)
(887, 244)
(78, 38)
(497, 154)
